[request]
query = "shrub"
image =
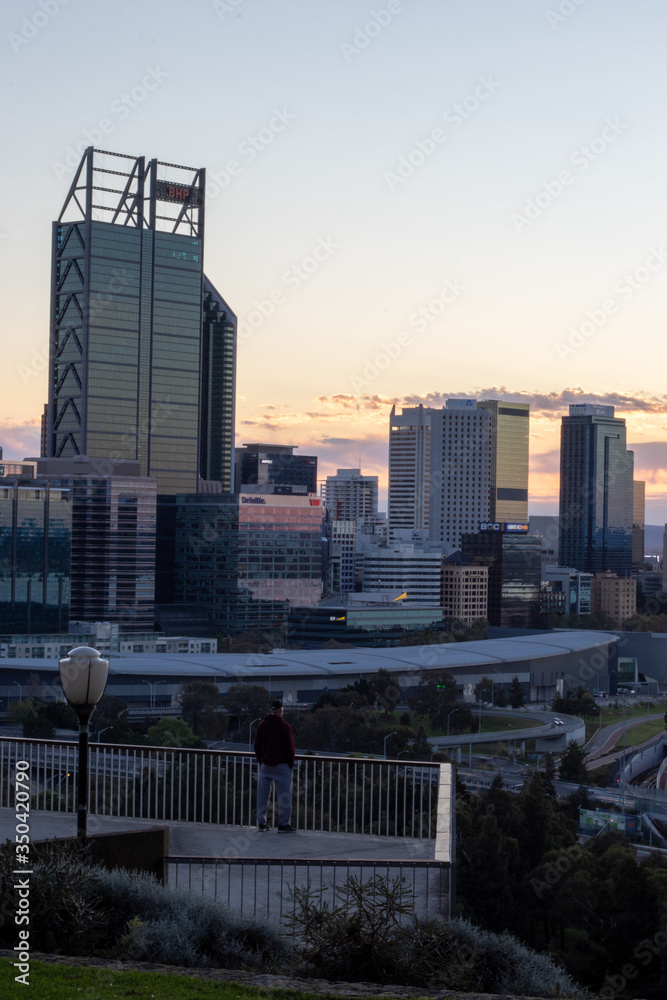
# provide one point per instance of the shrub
(80, 909)
(369, 933)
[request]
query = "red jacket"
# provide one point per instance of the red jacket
(274, 742)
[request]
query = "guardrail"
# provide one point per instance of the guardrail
(265, 887)
(333, 794)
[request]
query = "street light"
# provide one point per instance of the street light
(83, 675)
(250, 732)
(20, 687)
(152, 685)
(385, 743)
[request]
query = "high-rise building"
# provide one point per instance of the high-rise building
(141, 345)
(596, 491)
(349, 496)
(465, 592)
(478, 467)
(275, 465)
(113, 539)
(616, 596)
(411, 568)
(409, 470)
(35, 543)
(638, 524)
(243, 558)
(514, 559)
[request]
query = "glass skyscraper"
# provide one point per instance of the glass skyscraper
(596, 491)
(142, 346)
(35, 541)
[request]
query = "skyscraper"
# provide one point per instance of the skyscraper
(409, 470)
(141, 361)
(478, 467)
(596, 491)
(350, 496)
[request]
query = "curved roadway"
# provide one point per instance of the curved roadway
(551, 729)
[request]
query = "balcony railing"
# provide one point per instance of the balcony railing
(265, 887)
(330, 794)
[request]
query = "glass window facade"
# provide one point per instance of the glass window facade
(515, 571)
(596, 494)
(246, 559)
(35, 545)
(133, 373)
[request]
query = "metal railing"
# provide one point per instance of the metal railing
(333, 794)
(265, 887)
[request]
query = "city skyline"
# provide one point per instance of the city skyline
(474, 189)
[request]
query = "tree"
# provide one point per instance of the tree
(516, 693)
(200, 703)
(385, 690)
(170, 732)
(483, 689)
(548, 776)
(247, 702)
(572, 767)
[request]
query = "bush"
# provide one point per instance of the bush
(369, 933)
(81, 909)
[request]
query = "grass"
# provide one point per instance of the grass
(640, 733)
(63, 982)
(490, 724)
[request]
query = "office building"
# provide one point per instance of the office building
(638, 524)
(410, 568)
(616, 596)
(341, 576)
(409, 472)
(454, 468)
(141, 344)
(478, 467)
(575, 586)
(244, 558)
(275, 465)
(514, 560)
(596, 491)
(359, 620)
(113, 539)
(10, 467)
(349, 496)
(465, 592)
(35, 544)
(218, 396)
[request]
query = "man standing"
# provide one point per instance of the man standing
(274, 749)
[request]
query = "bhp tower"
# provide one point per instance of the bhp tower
(142, 353)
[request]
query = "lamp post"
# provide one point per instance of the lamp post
(385, 743)
(83, 675)
(20, 687)
(152, 685)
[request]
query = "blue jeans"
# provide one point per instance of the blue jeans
(281, 776)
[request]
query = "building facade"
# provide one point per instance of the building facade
(478, 467)
(409, 471)
(408, 568)
(349, 496)
(596, 491)
(514, 560)
(465, 592)
(35, 548)
(275, 465)
(127, 371)
(616, 596)
(247, 558)
(113, 540)
(638, 524)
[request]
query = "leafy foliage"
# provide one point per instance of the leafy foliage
(200, 702)
(369, 933)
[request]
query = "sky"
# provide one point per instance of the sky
(408, 200)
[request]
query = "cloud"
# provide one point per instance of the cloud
(19, 439)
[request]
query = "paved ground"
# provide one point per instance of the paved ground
(265, 886)
(203, 840)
